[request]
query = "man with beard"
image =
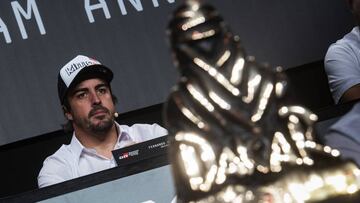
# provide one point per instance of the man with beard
(342, 62)
(89, 106)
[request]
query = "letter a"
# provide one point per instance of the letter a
(3, 29)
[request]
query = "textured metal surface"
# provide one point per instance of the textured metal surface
(235, 140)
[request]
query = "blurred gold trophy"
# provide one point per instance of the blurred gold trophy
(234, 138)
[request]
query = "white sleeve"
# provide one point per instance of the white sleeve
(344, 134)
(159, 131)
(144, 132)
(54, 170)
(342, 67)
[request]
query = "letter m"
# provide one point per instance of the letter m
(31, 8)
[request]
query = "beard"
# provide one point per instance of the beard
(97, 125)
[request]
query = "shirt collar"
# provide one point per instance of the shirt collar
(76, 147)
(123, 137)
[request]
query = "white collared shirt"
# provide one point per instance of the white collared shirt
(75, 160)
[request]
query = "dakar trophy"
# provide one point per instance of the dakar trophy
(234, 137)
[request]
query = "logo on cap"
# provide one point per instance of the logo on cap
(71, 69)
(76, 66)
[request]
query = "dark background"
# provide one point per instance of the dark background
(286, 33)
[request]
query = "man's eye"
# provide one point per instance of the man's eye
(102, 90)
(81, 95)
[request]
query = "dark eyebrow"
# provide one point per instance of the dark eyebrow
(78, 90)
(101, 85)
(72, 93)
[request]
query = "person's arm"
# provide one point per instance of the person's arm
(351, 94)
(159, 130)
(343, 135)
(53, 171)
(343, 71)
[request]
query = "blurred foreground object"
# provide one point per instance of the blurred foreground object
(235, 139)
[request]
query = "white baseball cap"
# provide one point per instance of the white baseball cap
(79, 69)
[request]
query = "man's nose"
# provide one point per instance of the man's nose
(95, 99)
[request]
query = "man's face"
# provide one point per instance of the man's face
(92, 108)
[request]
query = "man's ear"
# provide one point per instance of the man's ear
(67, 113)
(69, 116)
